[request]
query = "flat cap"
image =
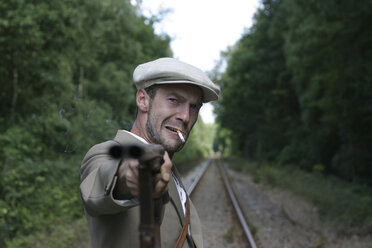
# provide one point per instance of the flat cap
(173, 71)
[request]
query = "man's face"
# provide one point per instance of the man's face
(174, 107)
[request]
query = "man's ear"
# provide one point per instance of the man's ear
(143, 100)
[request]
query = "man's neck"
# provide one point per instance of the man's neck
(140, 131)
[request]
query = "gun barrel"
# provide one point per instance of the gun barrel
(121, 151)
(141, 152)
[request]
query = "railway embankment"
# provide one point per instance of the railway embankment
(282, 217)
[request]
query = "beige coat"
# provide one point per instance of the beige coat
(114, 223)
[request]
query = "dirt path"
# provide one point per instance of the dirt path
(221, 229)
(281, 219)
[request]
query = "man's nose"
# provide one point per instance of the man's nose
(183, 113)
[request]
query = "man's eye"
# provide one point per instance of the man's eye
(172, 100)
(194, 107)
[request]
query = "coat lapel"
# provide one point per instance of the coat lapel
(125, 137)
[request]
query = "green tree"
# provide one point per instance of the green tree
(65, 84)
(297, 87)
(256, 88)
(327, 50)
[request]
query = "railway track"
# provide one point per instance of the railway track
(216, 168)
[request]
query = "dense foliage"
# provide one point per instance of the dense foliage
(65, 84)
(298, 87)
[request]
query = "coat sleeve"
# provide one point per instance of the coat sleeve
(98, 180)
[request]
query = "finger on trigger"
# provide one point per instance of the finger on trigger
(160, 188)
(165, 175)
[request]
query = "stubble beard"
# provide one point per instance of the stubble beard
(156, 138)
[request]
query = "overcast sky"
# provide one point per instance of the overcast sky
(201, 29)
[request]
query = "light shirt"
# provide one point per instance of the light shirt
(181, 193)
(136, 136)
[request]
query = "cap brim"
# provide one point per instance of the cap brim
(208, 93)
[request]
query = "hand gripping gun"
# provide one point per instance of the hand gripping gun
(150, 158)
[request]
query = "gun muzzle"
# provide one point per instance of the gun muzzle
(141, 152)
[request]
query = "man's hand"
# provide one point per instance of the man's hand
(127, 179)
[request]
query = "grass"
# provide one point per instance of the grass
(346, 206)
(60, 235)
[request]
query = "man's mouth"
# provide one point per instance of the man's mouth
(172, 129)
(175, 130)
(178, 132)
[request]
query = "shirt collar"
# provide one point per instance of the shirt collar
(137, 137)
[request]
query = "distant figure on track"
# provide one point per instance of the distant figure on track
(170, 94)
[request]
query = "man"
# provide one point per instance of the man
(170, 94)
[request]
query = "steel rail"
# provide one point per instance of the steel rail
(238, 210)
(190, 190)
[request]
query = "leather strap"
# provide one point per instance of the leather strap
(185, 229)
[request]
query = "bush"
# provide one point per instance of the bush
(38, 193)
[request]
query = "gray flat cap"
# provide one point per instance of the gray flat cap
(173, 71)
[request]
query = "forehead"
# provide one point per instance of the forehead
(187, 91)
